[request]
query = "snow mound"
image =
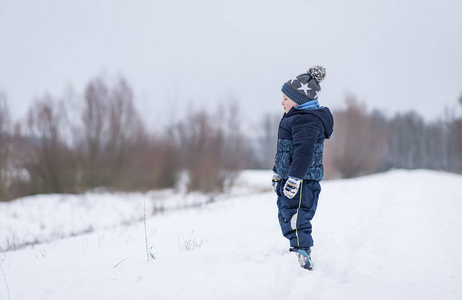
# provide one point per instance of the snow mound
(394, 235)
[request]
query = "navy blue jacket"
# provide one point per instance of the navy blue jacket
(300, 146)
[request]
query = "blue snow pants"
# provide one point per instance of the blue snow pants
(295, 214)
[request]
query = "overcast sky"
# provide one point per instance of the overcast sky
(393, 55)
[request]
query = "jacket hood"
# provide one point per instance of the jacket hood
(323, 114)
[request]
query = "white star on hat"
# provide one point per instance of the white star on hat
(317, 94)
(291, 82)
(304, 87)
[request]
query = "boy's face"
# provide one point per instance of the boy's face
(287, 103)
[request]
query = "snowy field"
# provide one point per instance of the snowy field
(396, 235)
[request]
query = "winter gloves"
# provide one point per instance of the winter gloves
(275, 181)
(291, 187)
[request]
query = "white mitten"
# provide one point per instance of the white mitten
(291, 187)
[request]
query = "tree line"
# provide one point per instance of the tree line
(369, 142)
(104, 144)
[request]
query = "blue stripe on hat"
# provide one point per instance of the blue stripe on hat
(294, 95)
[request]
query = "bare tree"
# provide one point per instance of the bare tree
(4, 146)
(51, 166)
(406, 143)
(125, 130)
(199, 145)
(267, 140)
(91, 143)
(111, 128)
(456, 142)
(234, 151)
(357, 147)
(211, 148)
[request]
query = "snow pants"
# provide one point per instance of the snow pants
(295, 214)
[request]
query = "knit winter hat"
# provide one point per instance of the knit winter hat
(305, 87)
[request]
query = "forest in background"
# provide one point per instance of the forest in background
(104, 144)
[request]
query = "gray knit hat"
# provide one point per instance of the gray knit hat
(305, 87)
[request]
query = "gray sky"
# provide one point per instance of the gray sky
(394, 55)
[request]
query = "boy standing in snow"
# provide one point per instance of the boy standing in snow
(298, 164)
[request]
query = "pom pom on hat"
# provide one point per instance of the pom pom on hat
(317, 72)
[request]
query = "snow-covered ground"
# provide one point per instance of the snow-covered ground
(396, 235)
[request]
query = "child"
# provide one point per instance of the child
(298, 164)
